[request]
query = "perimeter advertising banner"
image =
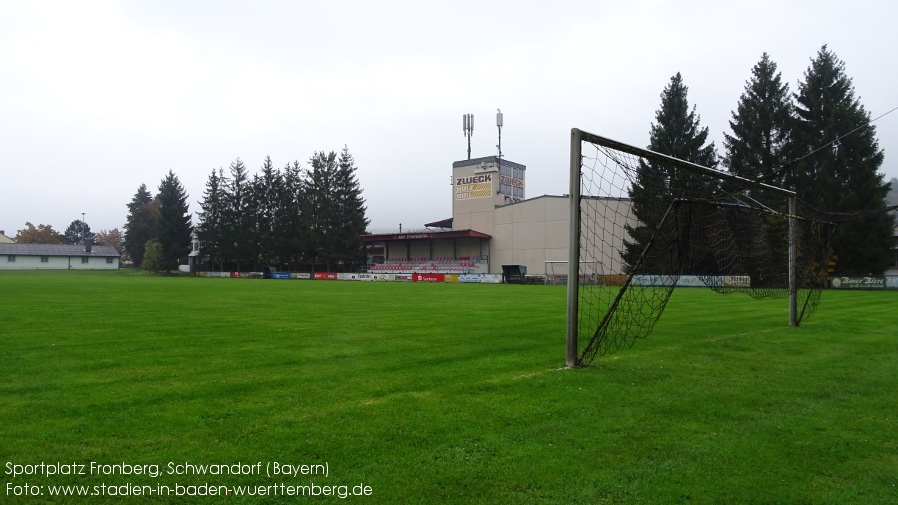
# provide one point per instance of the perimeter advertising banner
(429, 277)
(871, 282)
(324, 276)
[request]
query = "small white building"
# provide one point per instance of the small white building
(58, 257)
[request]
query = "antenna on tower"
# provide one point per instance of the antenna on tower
(499, 125)
(468, 127)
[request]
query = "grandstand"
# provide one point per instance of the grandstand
(444, 265)
(492, 224)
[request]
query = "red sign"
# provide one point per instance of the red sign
(429, 277)
(235, 275)
(325, 276)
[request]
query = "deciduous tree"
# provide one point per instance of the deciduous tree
(42, 234)
(112, 238)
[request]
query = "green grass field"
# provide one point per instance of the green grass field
(442, 393)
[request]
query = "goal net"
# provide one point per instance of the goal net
(653, 222)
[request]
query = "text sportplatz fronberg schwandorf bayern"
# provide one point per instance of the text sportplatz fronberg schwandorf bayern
(30, 479)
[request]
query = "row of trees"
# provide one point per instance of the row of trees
(294, 218)
(818, 141)
(77, 233)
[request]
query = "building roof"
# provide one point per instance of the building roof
(487, 159)
(57, 250)
(442, 223)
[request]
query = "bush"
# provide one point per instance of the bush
(153, 257)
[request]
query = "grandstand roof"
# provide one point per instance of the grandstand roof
(424, 235)
(445, 223)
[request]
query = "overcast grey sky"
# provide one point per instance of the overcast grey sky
(97, 97)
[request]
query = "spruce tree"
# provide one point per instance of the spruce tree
(210, 228)
(350, 209)
(319, 208)
(838, 166)
(78, 233)
(290, 217)
(140, 227)
(265, 188)
(174, 227)
(761, 126)
(676, 132)
(237, 226)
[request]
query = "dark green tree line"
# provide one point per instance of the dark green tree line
(820, 143)
(293, 219)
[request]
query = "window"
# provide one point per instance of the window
(109, 260)
(11, 258)
(84, 260)
(45, 259)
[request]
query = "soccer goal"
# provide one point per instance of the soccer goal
(556, 272)
(653, 221)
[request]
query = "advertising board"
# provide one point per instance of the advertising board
(847, 282)
(429, 277)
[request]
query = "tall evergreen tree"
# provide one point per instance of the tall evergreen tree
(210, 229)
(676, 132)
(350, 209)
(237, 227)
(838, 165)
(174, 227)
(291, 219)
(265, 188)
(761, 126)
(319, 208)
(140, 227)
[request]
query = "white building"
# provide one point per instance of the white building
(58, 257)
